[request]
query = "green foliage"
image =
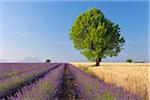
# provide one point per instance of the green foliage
(129, 60)
(96, 36)
(105, 96)
(48, 60)
(108, 96)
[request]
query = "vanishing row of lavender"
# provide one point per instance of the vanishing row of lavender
(94, 89)
(26, 74)
(9, 70)
(44, 89)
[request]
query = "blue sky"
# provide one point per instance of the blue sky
(41, 29)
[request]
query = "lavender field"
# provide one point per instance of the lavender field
(55, 81)
(74, 50)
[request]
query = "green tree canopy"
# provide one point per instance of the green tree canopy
(96, 36)
(129, 60)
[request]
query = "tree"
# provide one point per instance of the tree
(95, 36)
(48, 60)
(129, 60)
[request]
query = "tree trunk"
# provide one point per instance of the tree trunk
(98, 61)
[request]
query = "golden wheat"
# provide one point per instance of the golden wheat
(134, 77)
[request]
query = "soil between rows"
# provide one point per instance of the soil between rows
(69, 88)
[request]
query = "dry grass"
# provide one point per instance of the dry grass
(134, 77)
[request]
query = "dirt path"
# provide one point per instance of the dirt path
(69, 90)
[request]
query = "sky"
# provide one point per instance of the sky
(40, 30)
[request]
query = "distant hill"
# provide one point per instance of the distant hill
(2, 60)
(31, 59)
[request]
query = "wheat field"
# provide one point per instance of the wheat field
(134, 77)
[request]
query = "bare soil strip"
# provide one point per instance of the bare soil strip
(13, 90)
(68, 90)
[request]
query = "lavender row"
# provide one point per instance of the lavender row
(9, 70)
(94, 89)
(21, 78)
(43, 89)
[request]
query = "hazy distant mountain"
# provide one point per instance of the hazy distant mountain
(31, 59)
(2, 60)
